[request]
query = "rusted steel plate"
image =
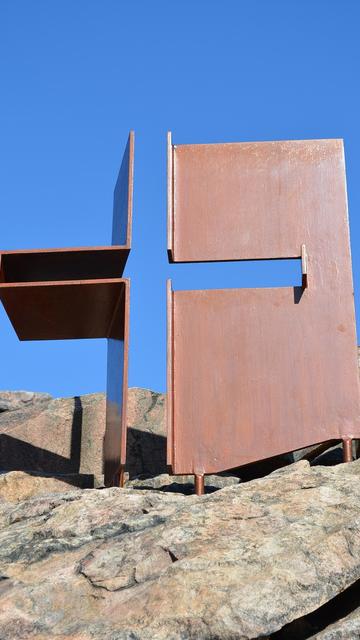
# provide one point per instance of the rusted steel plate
(116, 395)
(252, 200)
(255, 373)
(61, 310)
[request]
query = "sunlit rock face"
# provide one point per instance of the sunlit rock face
(242, 562)
(65, 435)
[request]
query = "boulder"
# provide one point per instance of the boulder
(253, 560)
(14, 400)
(64, 436)
(17, 486)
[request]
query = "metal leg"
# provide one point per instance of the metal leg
(199, 485)
(347, 450)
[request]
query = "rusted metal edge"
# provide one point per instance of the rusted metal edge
(258, 142)
(304, 267)
(130, 188)
(47, 283)
(170, 198)
(125, 375)
(114, 247)
(170, 375)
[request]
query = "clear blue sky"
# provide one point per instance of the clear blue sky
(76, 75)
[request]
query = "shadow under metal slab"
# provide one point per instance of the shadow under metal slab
(82, 263)
(62, 310)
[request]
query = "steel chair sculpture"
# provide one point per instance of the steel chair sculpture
(254, 373)
(74, 293)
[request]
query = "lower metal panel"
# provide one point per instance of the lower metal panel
(254, 373)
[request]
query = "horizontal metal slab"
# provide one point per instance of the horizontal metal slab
(82, 263)
(63, 310)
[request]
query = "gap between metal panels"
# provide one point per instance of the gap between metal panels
(236, 275)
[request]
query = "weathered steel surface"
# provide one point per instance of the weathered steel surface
(117, 384)
(56, 294)
(254, 373)
(61, 310)
(257, 373)
(253, 200)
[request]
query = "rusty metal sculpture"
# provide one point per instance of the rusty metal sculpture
(253, 373)
(58, 294)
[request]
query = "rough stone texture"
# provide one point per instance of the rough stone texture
(59, 435)
(13, 400)
(17, 486)
(139, 565)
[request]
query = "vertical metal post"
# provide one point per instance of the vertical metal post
(199, 485)
(347, 450)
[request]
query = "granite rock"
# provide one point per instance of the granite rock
(123, 564)
(15, 400)
(64, 436)
(182, 484)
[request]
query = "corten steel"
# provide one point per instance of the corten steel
(254, 373)
(75, 293)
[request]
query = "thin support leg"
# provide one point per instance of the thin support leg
(347, 450)
(199, 485)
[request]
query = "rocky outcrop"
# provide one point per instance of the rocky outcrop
(17, 486)
(53, 435)
(63, 436)
(253, 560)
(183, 484)
(14, 400)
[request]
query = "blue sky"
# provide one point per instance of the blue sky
(75, 76)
